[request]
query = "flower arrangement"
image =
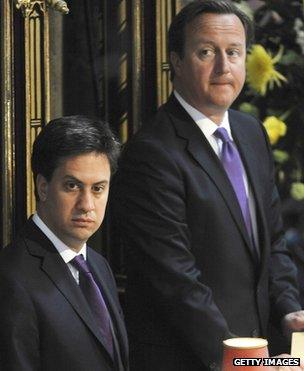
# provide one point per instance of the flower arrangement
(274, 90)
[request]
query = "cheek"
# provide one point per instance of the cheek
(101, 206)
(65, 206)
(243, 75)
(240, 73)
(99, 217)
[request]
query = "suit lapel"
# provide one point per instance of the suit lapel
(252, 170)
(200, 149)
(58, 272)
(102, 281)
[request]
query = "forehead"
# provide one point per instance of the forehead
(209, 25)
(83, 166)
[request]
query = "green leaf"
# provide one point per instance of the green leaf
(290, 57)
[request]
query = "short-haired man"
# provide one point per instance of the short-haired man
(59, 307)
(198, 209)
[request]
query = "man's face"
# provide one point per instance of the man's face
(211, 73)
(73, 203)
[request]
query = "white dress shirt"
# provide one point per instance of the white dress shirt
(208, 128)
(65, 252)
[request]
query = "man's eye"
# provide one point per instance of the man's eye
(233, 52)
(98, 189)
(72, 186)
(204, 53)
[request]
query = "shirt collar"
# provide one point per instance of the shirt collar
(65, 252)
(207, 126)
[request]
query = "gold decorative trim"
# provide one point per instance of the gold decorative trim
(164, 11)
(137, 51)
(27, 6)
(37, 85)
(123, 68)
(8, 118)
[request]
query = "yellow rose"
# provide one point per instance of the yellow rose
(275, 128)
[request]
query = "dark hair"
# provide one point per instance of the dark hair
(71, 136)
(195, 9)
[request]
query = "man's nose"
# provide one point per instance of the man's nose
(86, 201)
(222, 64)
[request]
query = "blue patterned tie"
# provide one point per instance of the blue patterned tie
(231, 161)
(95, 300)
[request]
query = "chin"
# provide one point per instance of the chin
(222, 104)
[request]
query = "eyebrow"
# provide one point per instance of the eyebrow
(214, 44)
(71, 177)
(237, 44)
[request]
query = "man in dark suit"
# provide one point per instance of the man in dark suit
(59, 306)
(198, 209)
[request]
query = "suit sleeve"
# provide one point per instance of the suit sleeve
(284, 295)
(19, 339)
(150, 202)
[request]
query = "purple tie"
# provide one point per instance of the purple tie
(231, 161)
(95, 300)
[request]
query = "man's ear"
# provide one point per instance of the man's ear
(176, 63)
(42, 187)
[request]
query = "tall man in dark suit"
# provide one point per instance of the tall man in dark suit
(59, 307)
(198, 209)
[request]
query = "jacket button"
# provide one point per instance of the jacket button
(255, 333)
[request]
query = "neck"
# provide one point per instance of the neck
(73, 244)
(215, 114)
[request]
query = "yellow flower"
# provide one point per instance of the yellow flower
(275, 128)
(297, 191)
(261, 71)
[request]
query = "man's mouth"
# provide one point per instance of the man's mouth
(221, 83)
(83, 220)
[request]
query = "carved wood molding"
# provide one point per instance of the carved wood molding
(59, 5)
(27, 6)
(164, 14)
(7, 122)
(37, 76)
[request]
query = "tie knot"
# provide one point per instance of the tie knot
(80, 264)
(222, 134)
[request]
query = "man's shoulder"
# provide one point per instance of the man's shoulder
(14, 248)
(155, 127)
(248, 126)
(14, 257)
(18, 254)
(162, 121)
(98, 260)
(96, 256)
(243, 117)
(161, 132)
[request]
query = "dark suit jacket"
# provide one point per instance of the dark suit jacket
(297, 251)
(45, 322)
(192, 277)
